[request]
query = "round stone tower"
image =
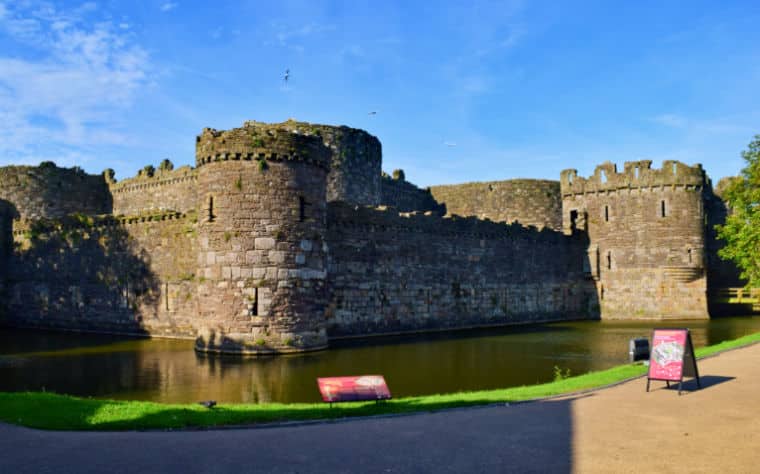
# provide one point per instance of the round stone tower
(646, 233)
(262, 225)
(355, 160)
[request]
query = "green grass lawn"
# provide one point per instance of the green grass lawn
(63, 412)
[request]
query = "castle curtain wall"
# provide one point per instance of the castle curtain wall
(526, 201)
(393, 273)
(129, 276)
(165, 190)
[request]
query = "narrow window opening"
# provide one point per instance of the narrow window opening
(609, 260)
(690, 257)
(211, 208)
(601, 292)
(636, 172)
(573, 221)
(301, 209)
(662, 209)
(255, 305)
(675, 169)
(606, 213)
(166, 299)
(602, 176)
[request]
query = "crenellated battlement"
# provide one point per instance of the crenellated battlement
(255, 141)
(635, 174)
(159, 178)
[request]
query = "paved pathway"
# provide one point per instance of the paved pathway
(621, 429)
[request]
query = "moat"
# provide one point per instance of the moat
(169, 370)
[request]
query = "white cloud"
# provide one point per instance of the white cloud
(168, 6)
(65, 95)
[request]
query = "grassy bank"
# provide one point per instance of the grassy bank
(62, 412)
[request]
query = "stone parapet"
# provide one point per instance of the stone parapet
(254, 141)
(635, 174)
(355, 157)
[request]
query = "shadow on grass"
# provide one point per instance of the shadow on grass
(63, 412)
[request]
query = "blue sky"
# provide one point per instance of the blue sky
(524, 89)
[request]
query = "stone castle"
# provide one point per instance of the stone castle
(286, 235)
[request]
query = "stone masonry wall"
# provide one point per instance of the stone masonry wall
(391, 272)
(163, 190)
(533, 202)
(355, 159)
(262, 232)
(646, 232)
(129, 276)
(48, 191)
(405, 196)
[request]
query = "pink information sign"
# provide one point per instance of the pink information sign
(356, 388)
(668, 349)
(672, 357)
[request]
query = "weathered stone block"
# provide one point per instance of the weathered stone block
(264, 243)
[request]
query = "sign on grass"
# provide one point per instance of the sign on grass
(350, 389)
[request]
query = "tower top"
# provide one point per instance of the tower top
(635, 174)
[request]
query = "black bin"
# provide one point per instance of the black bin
(638, 349)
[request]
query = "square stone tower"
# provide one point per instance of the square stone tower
(646, 234)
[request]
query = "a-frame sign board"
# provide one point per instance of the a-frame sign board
(672, 357)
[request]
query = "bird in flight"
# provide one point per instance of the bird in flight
(372, 113)
(286, 76)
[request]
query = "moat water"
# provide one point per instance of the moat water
(170, 371)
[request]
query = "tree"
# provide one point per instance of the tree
(741, 232)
